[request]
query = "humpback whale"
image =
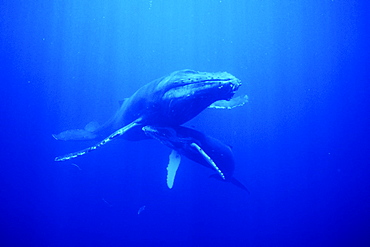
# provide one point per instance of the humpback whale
(168, 101)
(205, 150)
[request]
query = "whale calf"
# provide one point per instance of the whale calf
(205, 150)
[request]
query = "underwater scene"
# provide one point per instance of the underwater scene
(185, 123)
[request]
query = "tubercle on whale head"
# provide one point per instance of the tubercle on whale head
(193, 84)
(153, 132)
(164, 135)
(228, 89)
(167, 136)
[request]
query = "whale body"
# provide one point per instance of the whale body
(166, 102)
(203, 149)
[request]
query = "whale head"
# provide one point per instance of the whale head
(186, 93)
(194, 84)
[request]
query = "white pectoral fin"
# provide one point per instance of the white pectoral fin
(78, 134)
(92, 126)
(230, 104)
(116, 134)
(75, 135)
(173, 165)
(208, 159)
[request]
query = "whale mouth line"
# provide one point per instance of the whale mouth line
(200, 88)
(210, 80)
(208, 83)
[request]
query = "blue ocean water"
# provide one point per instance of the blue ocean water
(300, 144)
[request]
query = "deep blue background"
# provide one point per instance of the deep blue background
(301, 143)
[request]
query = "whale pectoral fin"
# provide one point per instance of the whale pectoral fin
(75, 135)
(173, 165)
(230, 104)
(79, 134)
(92, 126)
(116, 134)
(208, 159)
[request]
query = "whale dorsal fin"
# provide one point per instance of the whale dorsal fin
(173, 165)
(208, 159)
(120, 102)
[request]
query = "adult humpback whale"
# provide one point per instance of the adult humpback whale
(168, 101)
(203, 149)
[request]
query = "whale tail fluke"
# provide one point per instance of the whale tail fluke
(236, 182)
(232, 180)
